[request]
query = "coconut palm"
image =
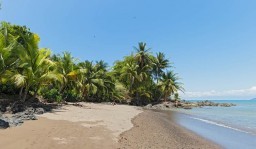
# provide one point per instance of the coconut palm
(134, 77)
(142, 56)
(91, 79)
(9, 49)
(35, 72)
(65, 65)
(169, 84)
(34, 68)
(159, 64)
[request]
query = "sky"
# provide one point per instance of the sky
(212, 44)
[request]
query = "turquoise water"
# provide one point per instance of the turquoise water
(240, 118)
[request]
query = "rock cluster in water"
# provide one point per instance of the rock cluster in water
(186, 105)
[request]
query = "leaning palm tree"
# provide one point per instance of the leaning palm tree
(35, 67)
(169, 84)
(35, 72)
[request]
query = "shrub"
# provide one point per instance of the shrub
(51, 95)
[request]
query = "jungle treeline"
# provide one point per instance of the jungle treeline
(29, 71)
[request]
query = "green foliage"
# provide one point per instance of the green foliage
(25, 68)
(52, 95)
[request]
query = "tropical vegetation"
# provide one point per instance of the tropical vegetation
(33, 72)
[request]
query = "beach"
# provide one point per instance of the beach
(158, 130)
(101, 126)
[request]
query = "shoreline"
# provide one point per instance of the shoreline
(102, 126)
(156, 129)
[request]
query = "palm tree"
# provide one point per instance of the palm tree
(35, 71)
(134, 76)
(34, 67)
(101, 65)
(169, 84)
(130, 73)
(9, 50)
(71, 88)
(91, 79)
(142, 56)
(159, 64)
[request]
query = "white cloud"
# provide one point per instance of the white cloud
(241, 93)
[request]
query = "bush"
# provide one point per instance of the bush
(51, 95)
(71, 96)
(8, 89)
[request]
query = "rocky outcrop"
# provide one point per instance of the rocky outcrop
(160, 106)
(18, 118)
(210, 103)
(185, 105)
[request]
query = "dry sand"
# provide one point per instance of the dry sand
(71, 127)
(115, 118)
(100, 126)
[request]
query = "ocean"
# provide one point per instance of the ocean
(241, 117)
(231, 127)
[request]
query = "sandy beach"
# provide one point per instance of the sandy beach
(158, 130)
(101, 126)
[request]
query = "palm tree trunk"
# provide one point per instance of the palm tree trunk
(25, 94)
(20, 93)
(137, 98)
(36, 91)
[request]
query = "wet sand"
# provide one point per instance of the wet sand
(158, 130)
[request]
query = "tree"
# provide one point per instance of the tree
(169, 84)
(142, 56)
(159, 64)
(34, 69)
(8, 50)
(95, 82)
(71, 72)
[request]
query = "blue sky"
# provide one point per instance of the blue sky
(211, 43)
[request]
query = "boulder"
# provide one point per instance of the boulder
(15, 122)
(18, 108)
(2, 108)
(29, 111)
(3, 124)
(39, 111)
(149, 106)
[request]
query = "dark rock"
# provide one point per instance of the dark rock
(24, 116)
(15, 122)
(2, 108)
(29, 111)
(18, 108)
(187, 107)
(3, 124)
(39, 111)
(227, 104)
(9, 109)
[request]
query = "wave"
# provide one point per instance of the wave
(221, 125)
